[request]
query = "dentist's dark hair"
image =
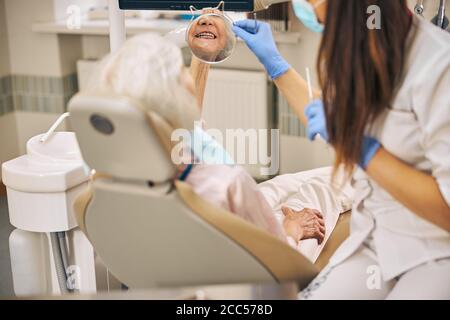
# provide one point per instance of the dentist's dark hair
(359, 69)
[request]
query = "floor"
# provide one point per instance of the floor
(6, 287)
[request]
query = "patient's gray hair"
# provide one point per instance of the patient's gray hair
(149, 68)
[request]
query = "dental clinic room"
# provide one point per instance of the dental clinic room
(237, 150)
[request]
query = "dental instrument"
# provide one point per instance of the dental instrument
(308, 80)
(441, 19)
(255, 18)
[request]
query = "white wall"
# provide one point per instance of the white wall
(31, 53)
(34, 53)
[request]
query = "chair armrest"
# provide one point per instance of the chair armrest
(338, 236)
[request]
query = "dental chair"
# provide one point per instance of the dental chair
(152, 231)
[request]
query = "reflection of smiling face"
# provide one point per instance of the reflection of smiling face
(208, 36)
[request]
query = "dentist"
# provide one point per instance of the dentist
(384, 106)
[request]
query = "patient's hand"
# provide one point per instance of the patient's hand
(305, 224)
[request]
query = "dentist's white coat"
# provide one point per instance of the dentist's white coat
(416, 130)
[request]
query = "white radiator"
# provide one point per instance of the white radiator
(288, 121)
(236, 99)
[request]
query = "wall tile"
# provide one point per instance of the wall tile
(2, 86)
(2, 106)
(7, 85)
(9, 105)
(37, 94)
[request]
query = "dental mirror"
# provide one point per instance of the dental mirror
(211, 38)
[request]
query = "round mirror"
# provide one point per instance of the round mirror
(211, 38)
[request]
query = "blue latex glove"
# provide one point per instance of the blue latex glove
(317, 123)
(207, 150)
(369, 149)
(260, 41)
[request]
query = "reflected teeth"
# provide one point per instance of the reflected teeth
(206, 35)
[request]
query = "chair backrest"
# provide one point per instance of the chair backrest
(149, 237)
(115, 138)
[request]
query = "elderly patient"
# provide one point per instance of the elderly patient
(150, 69)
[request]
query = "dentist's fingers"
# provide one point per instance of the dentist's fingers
(312, 131)
(247, 24)
(312, 110)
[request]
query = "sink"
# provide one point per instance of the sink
(60, 146)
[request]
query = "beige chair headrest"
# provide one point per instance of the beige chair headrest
(118, 138)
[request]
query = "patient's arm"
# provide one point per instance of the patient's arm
(199, 72)
(245, 200)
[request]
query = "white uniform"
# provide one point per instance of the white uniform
(384, 233)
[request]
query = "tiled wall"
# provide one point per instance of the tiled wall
(36, 94)
(6, 96)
